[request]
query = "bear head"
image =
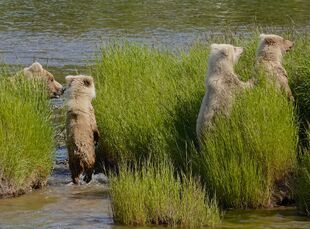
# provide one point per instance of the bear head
(273, 47)
(80, 87)
(37, 72)
(224, 56)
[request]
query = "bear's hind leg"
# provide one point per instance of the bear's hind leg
(76, 180)
(88, 175)
(76, 171)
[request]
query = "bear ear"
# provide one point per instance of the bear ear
(238, 50)
(69, 79)
(269, 40)
(262, 36)
(214, 46)
(36, 67)
(219, 48)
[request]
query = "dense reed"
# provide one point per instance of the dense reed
(155, 195)
(26, 136)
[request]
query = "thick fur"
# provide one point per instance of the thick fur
(269, 56)
(82, 132)
(221, 85)
(36, 71)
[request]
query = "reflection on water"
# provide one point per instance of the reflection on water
(60, 204)
(280, 218)
(69, 32)
(55, 207)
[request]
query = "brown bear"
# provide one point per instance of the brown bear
(221, 85)
(36, 71)
(82, 132)
(269, 55)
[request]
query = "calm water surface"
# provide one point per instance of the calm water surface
(66, 34)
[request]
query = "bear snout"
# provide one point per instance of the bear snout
(59, 88)
(289, 45)
(56, 92)
(55, 95)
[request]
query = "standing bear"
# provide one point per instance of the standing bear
(221, 85)
(269, 55)
(37, 72)
(82, 132)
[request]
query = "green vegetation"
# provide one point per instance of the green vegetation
(155, 195)
(26, 136)
(298, 68)
(148, 101)
(250, 150)
(303, 182)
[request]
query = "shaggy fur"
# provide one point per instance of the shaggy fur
(82, 132)
(221, 85)
(36, 71)
(269, 56)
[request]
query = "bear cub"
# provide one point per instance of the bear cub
(37, 72)
(222, 83)
(82, 132)
(269, 55)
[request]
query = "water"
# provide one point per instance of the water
(65, 35)
(62, 205)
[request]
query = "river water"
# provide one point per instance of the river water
(68, 33)
(65, 35)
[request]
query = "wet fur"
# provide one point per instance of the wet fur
(82, 132)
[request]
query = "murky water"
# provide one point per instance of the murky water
(67, 34)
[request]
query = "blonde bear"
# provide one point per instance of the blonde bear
(222, 83)
(269, 55)
(82, 132)
(37, 72)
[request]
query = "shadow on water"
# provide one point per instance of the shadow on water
(279, 218)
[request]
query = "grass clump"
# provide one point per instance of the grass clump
(303, 182)
(245, 154)
(26, 136)
(154, 195)
(297, 65)
(147, 105)
(145, 101)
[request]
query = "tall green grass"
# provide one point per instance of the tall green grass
(298, 68)
(147, 102)
(147, 105)
(303, 182)
(245, 154)
(26, 136)
(154, 195)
